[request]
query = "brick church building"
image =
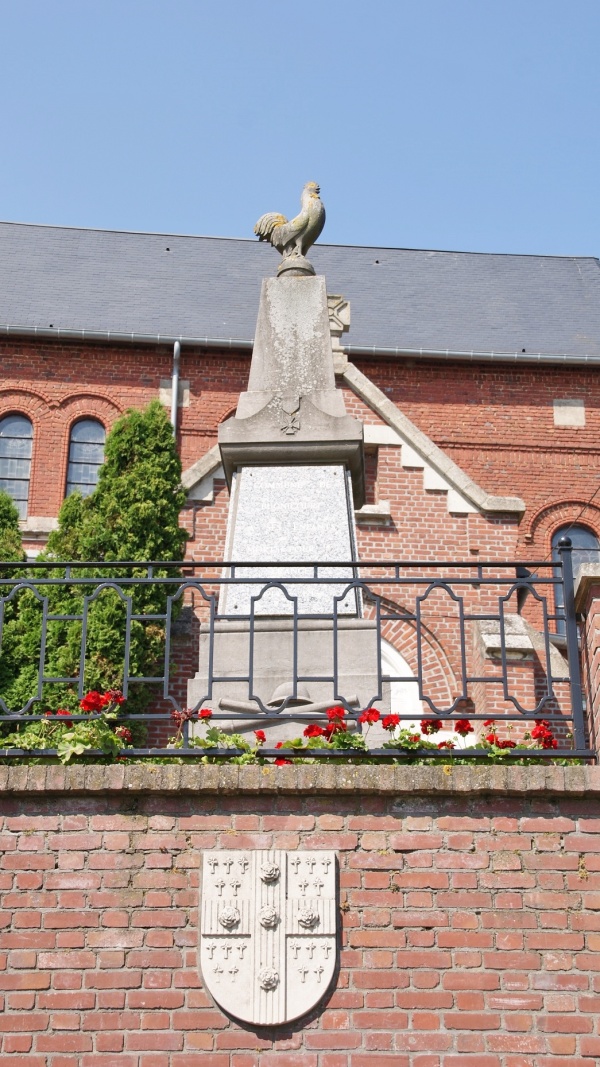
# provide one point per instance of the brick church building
(474, 375)
(469, 896)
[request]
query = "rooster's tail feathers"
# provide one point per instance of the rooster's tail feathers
(267, 223)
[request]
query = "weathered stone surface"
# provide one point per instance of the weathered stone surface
(292, 347)
(289, 513)
(569, 412)
(588, 577)
(314, 779)
(273, 669)
(292, 412)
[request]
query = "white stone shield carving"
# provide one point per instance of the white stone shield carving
(268, 932)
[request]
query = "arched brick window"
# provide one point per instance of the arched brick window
(586, 549)
(86, 455)
(16, 438)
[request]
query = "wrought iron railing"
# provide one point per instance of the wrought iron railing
(276, 646)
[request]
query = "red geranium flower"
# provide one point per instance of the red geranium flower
(314, 730)
(114, 696)
(430, 726)
(542, 733)
(369, 716)
(491, 739)
(445, 744)
(125, 734)
(335, 727)
(414, 738)
(489, 722)
(335, 713)
(281, 762)
(506, 743)
(390, 722)
(64, 713)
(260, 736)
(92, 701)
(206, 713)
(463, 727)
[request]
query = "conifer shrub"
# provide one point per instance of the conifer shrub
(133, 515)
(11, 549)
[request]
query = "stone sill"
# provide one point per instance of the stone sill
(380, 513)
(588, 577)
(307, 780)
(37, 527)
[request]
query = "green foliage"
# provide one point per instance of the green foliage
(72, 741)
(11, 549)
(103, 737)
(134, 512)
(132, 515)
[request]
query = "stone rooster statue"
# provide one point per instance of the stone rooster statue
(294, 238)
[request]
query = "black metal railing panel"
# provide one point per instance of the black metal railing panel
(472, 641)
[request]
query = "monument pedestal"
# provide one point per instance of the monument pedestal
(251, 662)
(290, 637)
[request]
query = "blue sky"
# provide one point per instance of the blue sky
(452, 124)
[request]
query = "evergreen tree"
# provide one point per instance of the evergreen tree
(133, 515)
(11, 549)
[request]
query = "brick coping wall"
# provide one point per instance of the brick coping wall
(470, 914)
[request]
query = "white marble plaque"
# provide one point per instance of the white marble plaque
(268, 932)
(290, 513)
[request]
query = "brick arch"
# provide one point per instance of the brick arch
(549, 518)
(35, 406)
(92, 406)
(29, 402)
(229, 413)
(439, 678)
(73, 408)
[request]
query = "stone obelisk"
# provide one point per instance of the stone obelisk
(293, 459)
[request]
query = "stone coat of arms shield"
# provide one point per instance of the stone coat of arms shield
(268, 944)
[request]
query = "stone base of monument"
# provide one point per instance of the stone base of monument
(242, 667)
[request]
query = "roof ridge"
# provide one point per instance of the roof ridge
(321, 244)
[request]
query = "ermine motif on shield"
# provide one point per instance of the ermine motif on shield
(268, 944)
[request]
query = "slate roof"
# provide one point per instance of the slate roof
(103, 280)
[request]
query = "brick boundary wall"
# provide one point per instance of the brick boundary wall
(470, 914)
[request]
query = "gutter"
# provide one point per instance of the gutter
(474, 356)
(122, 338)
(245, 343)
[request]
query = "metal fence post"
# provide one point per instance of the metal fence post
(565, 550)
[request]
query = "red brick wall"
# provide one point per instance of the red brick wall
(495, 421)
(470, 912)
(56, 383)
(589, 605)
